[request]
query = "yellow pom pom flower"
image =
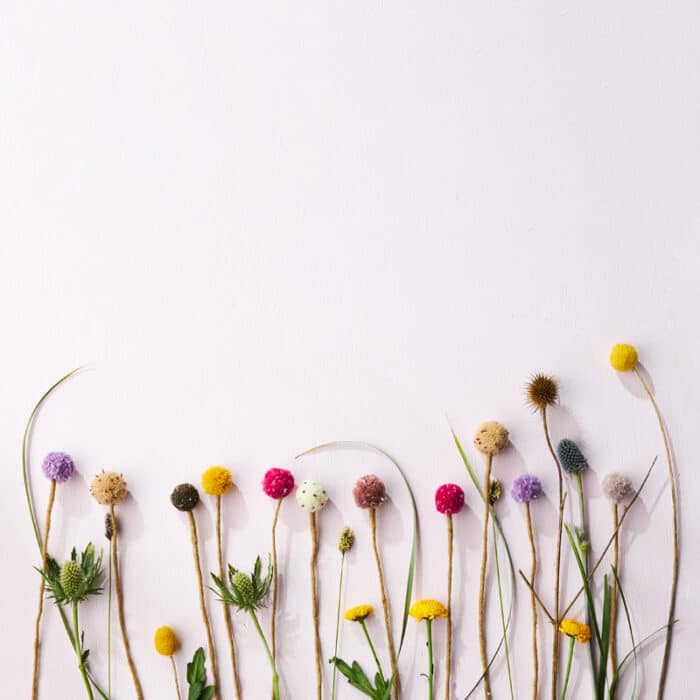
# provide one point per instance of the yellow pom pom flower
(428, 610)
(359, 612)
(578, 630)
(623, 357)
(166, 641)
(216, 481)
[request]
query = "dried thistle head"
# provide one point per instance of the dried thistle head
(495, 491)
(491, 438)
(571, 457)
(109, 488)
(542, 391)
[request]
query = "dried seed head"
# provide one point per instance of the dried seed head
(109, 526)
(185, 497)
(109, 488)
(346, 541)
(491, 438)
(542, 391)
(495, 491)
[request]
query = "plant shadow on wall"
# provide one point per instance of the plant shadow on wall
(592, 628)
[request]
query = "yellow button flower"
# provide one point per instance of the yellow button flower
(573, 628)
(166, 641)
(216, 481)
(428, 610)
(359, 612)
(623, 357)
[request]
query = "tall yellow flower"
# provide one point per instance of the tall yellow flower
(623, 357)
(575, 629)
(427, 610)
(359, 612)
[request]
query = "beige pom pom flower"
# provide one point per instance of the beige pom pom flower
(109, 488)
(491, 438)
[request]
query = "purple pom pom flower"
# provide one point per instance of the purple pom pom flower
(526, 488)
(58, 466)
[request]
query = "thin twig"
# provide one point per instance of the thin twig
(202, 602)
(482, 580)
(533, 602)
(42, 587)
(275, 596)
(314, 603)
(448, 644)
(177, 682)
(537, 598)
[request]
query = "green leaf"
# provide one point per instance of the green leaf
(628, 617)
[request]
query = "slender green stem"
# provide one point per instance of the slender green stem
(109, 624)
(79, 651)
(363, 624)
(275, 675)
(502, 609)
(429, 630)
(337, 624)
(569, 661)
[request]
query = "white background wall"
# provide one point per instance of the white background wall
(272, 225)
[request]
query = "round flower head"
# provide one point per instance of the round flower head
(58, 466)
(449, 499)
(578, 630)
(369, 492)
(278, 483)
(109, 488)
(359, 612)
(311, 495)
(245, 589)
(72, 580)
(623, 357)
(427, 610)
(166, 641)
(216, 481)
(526, 488)
(185, 497)
(571, 457)
(346, 541)
(491, 438)
(617, 487)
(542, 391)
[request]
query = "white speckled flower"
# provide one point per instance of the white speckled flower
(311, 495)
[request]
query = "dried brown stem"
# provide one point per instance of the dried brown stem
(613, 600)
(226, 608)
(676, 537)
(177, 682)
(42, 587)
(537, 598)
(202, 602)
(120, 604)
(533, 602)
(314, 603)
(482, 581)
(274, 579)
(385, 602)
(448, 644)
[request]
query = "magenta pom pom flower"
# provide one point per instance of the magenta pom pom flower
(526, 488)
(369, 491)
(449, 499)
(278, 482)
(58, 466)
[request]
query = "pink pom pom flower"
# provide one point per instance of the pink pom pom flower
(278, 483)
(449, 499)
(369, 492)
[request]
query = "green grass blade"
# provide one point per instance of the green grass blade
(605, 640)
(628, 617)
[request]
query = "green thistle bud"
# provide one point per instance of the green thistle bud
(244, 586)
(72, 580)
(346, 541)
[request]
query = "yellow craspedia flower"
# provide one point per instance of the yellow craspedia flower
(573, 628)
(166, 641)
(623, 357)
(359, 612)
(428, 610)
(216, 481)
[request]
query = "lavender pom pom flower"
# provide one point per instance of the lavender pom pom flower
(58, 466)
(617, 487)
(526, 488)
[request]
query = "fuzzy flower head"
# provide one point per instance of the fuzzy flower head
(449, 499)
(575, 629)
(185, 497)
(166, 641)
(216, 481)
(623, 357)
(346, 541)
(58, 467)
(109, 488)
(359, 613)
(311, 495)
(542, 391)
(491, 438)
(526, 488)
(369, 492)
(571, 457)
(617, 487)
(427, 610)
(278, 483)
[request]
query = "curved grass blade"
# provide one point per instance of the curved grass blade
(586, 586)
(354, 444)
(628, 617)
(511, 565)
(605, 640)
(501, 609)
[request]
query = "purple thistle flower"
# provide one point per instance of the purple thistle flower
(58, 466)
(526, 488)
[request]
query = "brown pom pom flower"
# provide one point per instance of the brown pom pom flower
(109, 488)
(491, 438)
(369, 492)
(542, 390)
(185, 497)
